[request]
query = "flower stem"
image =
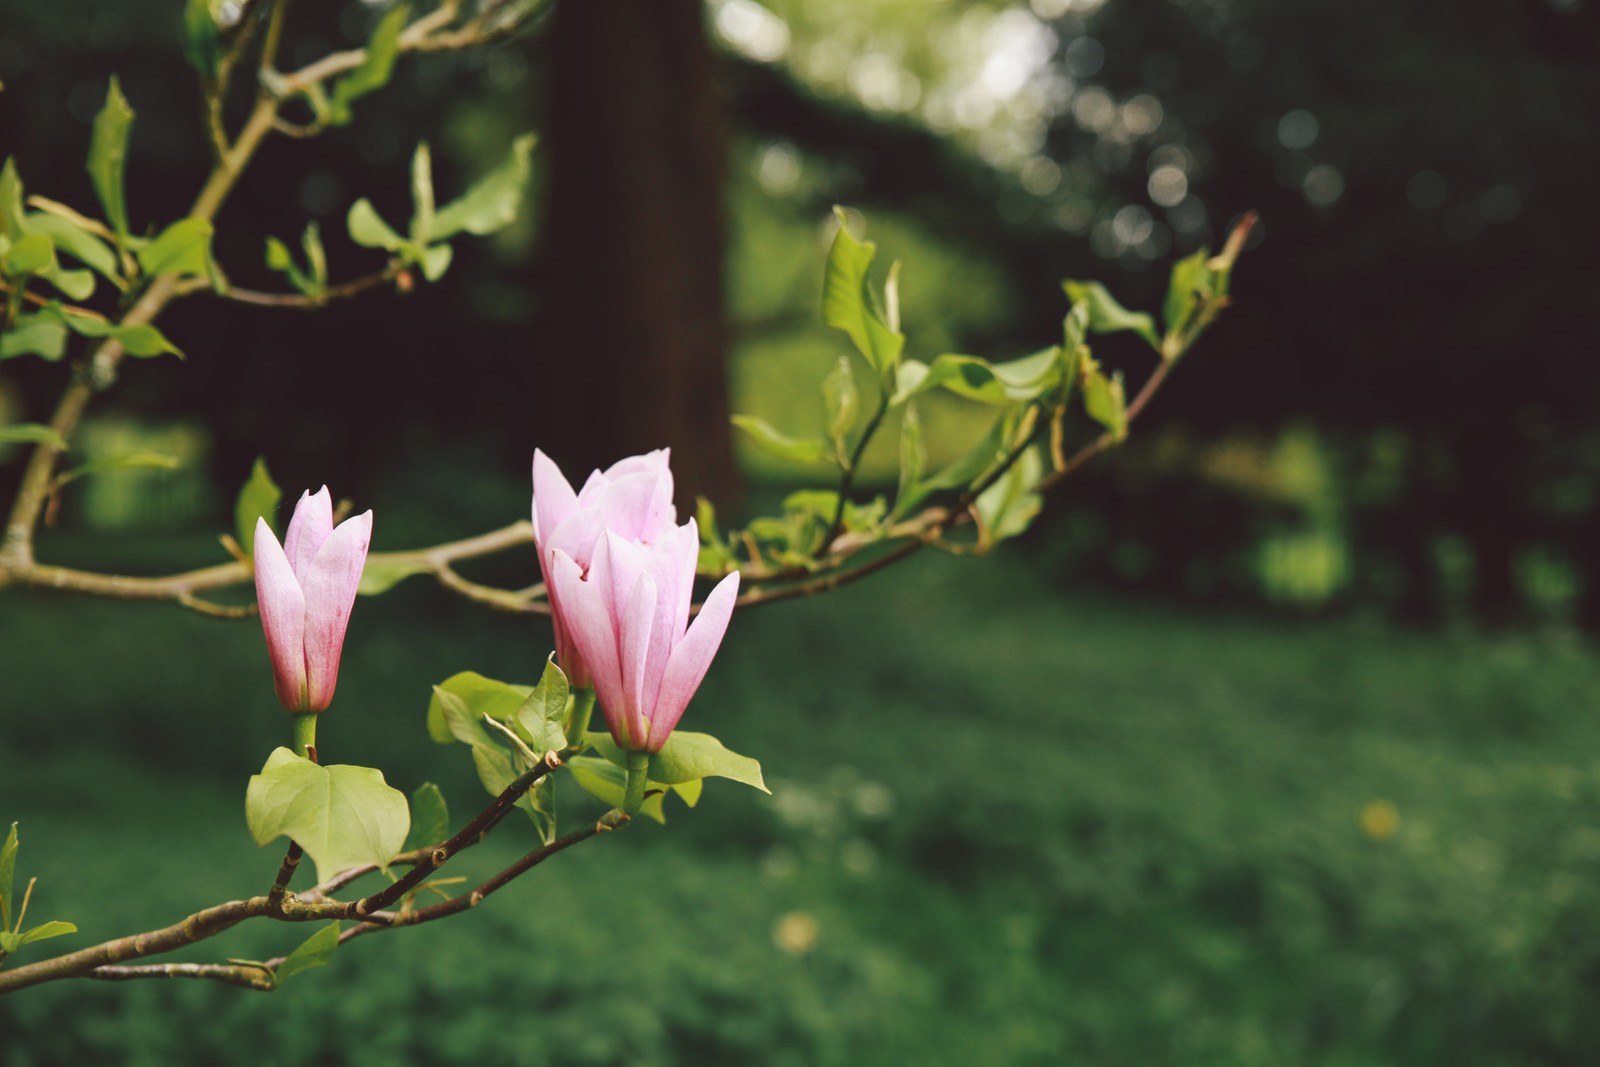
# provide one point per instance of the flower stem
(633, 796)
(305, 735)
(582, 711)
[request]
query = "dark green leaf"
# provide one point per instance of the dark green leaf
(490, 203)
(200, 35)
(376, 66)
(31, 433)
(774, 442)
(315, 951)
(342, 816)
(688, 756)
(182, 248)
(45, 931)
(1108, 316)
(849, 304)
(108, 154)
(430, 818)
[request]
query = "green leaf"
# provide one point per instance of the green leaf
(491, 203)
(689, 756)
(430, 818)
(12, 224)
(31, 433)
(8, 875)
(45, 931)
(987, 455)
(1075, 327)
(200, 33)
(977, 379)
(421, 194)
(1008, 506)
(258, 499)
(479, 696)
(1190, 276)
(607, 783)
(378, 577)
(435, 261)
(342, 816)
(842, 403)
(368, 229)
(543, 715)
(9, 942)
(315, 951)
(849, 304)
(130, 461)
(108, 155)
(375, 69)
(912, 457)
(32, 253)
(1104, 400)
(771, 440)
(140, 339)
(316, 257)
(1108, 316)
(182, 248)
(77, 284)
(41, 335)
(497, 770)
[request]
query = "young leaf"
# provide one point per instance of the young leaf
(977, 379)
(342, 816)
(378, 577)
(368, 229)
(45, 931)
(140, 339)
(316, 258)
(12, 224)
(435, 261)
(1190, 276)
(687, 756)
(182, 248)
(130, 461)
(543, 715)
(849, 304)
(200, 46)
(491, 202)
(75, 241)
(774, 442)
(315, 951)
(421, 194)
(1108, 316)
(841, 401)
(40, 335)
(31, 433)
(1103, 399)
(478, 696)
(607, 783)
(108, 154)
(1008, 506)
(258, 499)
(912, 457)
(8, 873)
(31, 253)
(375, 69)
(430, 818)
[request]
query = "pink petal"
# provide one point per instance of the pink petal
(652, 462)
(577, 535)
(636, 636)
(636, 505)
(691, 658)
(311, 525)
(330, 584)
(588, 621)
(283, 618)
(553, 498)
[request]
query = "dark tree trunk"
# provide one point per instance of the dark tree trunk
(631, 339)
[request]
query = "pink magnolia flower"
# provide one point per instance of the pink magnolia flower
(306, 588)
(632, 499)
(629, 620)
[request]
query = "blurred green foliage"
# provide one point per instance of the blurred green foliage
(1003, 830)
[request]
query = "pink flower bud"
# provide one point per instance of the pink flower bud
(306, 588)
(629, 621)
(632, 499)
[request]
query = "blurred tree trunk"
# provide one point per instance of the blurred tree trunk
(631, 334)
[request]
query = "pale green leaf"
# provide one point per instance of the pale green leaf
(315, 951)
(491, 203)
(479, 696)
(912, 457)
(607, 783)
(368, 229)
(1103, 399)
(1008, 506)
(849, 304)
(543, 715)
(688, 756)
(8, 874)
(258, 498)
(41, 335)
(108, 155)
(342, 816)
(34, 433)
(1108, 316)
(841, 402)
(376, 67)
(380, 577)
(182, 248)
(777, 443)
(45, 931)
(129, 461)
(1191, 280)
(435, 261)
(421, 194)
(12, 223)
(32, 253)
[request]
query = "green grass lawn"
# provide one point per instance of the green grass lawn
(1009, 825)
